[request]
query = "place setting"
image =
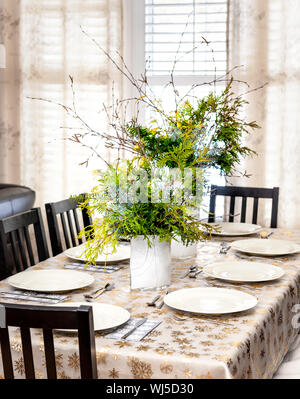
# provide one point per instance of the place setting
(46, 286)
(107, 262)
(55, 286)
(217, 300)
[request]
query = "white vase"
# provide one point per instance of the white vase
(179, 250)
(150, 267)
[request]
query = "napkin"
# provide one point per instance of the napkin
(34, 296)
(138, 334)
(98, 268)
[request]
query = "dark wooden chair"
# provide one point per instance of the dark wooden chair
(244, 193)
(66, 210)
(47, 318)
(17, 251)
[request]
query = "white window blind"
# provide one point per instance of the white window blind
(179, 30)
(169, 22)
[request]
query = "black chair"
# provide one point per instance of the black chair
(244, 193)
(68, 207)
(16, 242)
(48, 318)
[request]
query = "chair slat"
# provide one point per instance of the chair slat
(72, 234)
(49, 353)
(274, 212)
(40, 236)
(212, 205)
(6, 354)
(63, 222)
(255, 211)
(21, 243)
(77, 226)
(244, 208)
(231, 209)
(28, 244)
(13, 241)
(27, 353)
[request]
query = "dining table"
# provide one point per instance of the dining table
(244, 345)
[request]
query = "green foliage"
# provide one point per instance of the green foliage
(208, 134)
(122, 219)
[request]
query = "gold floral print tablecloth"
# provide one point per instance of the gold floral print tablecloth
(250, 344)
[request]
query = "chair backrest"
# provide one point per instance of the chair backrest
(244, 193)
(66, 210)
(16, 243)
(47, 318)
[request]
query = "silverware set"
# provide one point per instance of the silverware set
(95, 294)
(154, 301)
(195, 274)
(192, 272)
(224, 248)
(191, 269)
(265, 235)
(137, 324)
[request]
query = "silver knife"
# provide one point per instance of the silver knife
(139, 323)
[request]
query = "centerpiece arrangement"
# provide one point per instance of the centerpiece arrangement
(151, 196)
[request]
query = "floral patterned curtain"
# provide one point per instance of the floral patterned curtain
(265, 38)
(44, 45)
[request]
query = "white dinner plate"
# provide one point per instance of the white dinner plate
(122, 254)
(270, 247)
(235, 229)
(106, 316)
(243, 271)
(51, 280)
(210, 301)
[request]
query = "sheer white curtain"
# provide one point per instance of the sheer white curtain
(264, 37)
(44, 45)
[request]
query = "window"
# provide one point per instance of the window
(194, 34)
(179, 29)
